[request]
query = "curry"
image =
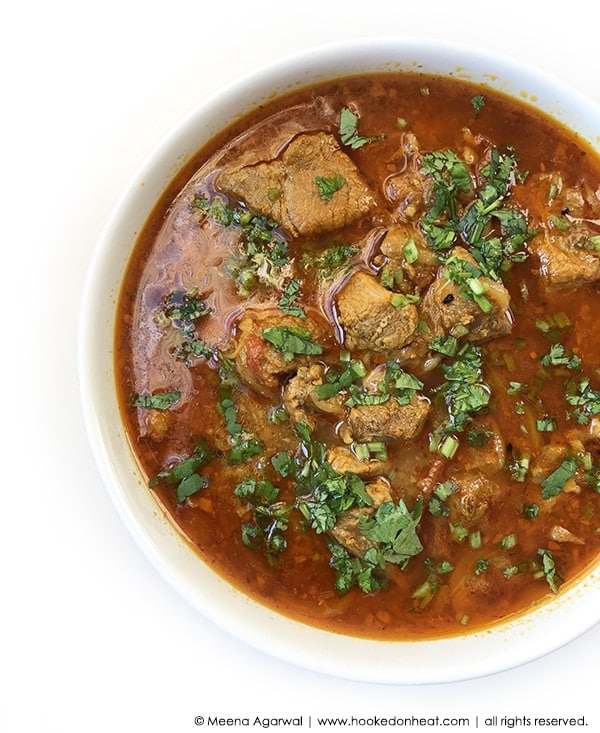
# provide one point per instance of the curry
(356, 355)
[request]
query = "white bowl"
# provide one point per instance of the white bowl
(499, 648)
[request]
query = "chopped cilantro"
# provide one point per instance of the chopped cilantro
(478, 437)
(348, 130)
(287, 302)
(291, 340)
(338, 381)
(157, 401)
(182, 310)
(463, 389)
(481, 565)
(437, 501)
(244, 446)
(450, 178)
(262, 250)
(396, 383)
(446, 345)
(478, 103)
(549, 569)
(328, 186)
(270, 516)
(553, 484)
(394, 527)
(183, 474)
(366, 572)
(545, 424)
(559, 355)
(330, 259)
(531, 511)
(584, 399)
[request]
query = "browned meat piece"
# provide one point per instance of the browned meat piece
(346, 530)
(570, 257)
(343, 460)
(261, 365)
(489, 458)
(368, 318)
(406, 188)
(449, 311)
(475, 494)
(389, 420)
(300, 398)
(286, 189)
(407, 253)
(407, 192)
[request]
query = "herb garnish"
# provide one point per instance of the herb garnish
(291, 340)
(156, 401)
(327, 186)
(478, 103)
(184, 474)
(287, 302)
(270, 516)
(244, 446)
(549, 570)
(463, 389)
(182, 310)
(584, 398)
(348, 129)
(330, 259)
(394, 528)
(262, 250)
(553, 484)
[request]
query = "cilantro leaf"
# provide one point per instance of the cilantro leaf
(262, 250)
(270, 517)
(394, 527)
(553, 484)
(184, 473)
(348, 130)
(549, 569)
(287, 302)
(559, 355)
(585, 399)
(330, 259)
(478, 103)
(365, 572)
(291, 340)
(157, 401)
(328, 186)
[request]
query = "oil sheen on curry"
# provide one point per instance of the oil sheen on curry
(357, 356)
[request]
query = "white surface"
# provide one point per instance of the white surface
(91, 637)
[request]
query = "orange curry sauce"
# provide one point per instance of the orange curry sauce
(496, 471)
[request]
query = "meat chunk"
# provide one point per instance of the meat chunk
(369, 319)
(405, 250)
(569, 257)
(346, 530)
(343, 460)
(287, 189)
(260, 364)
(406, 187)
(389, 420)
(449, 307)
(302, 402)
(475, 493)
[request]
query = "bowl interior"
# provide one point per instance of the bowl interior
(449, 659)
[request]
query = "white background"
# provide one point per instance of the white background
(91, 637)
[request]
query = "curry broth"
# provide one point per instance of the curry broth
(474, 569)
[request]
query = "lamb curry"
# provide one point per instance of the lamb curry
(357, 355)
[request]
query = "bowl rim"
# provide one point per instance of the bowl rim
(501, 647)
